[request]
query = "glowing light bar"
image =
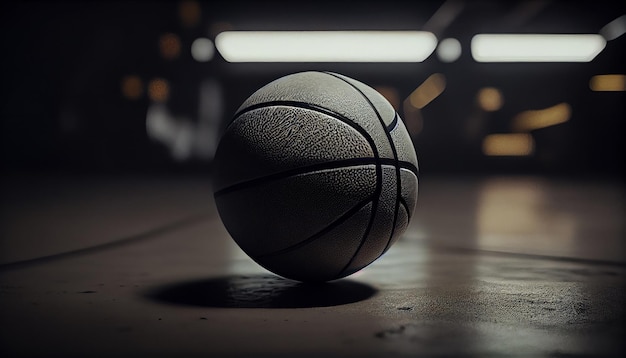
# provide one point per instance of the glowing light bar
(325, 46)
(608, 83)
(508, 144)
(614, 29)
(430, 89)
(541, 118)
(536, 47)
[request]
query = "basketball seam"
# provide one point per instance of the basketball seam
(406, 207)
(409, 166)
(344, 217)
(402, 201)
(315, 108)
(333, 114)
(393, 123)
(311, 107)
(304, 105)
(398, 183)
(337, 164)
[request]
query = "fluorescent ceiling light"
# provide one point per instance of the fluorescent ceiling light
(325, 46)
(536, 47)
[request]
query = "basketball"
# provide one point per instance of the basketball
(316, 176)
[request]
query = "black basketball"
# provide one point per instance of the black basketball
(316, 176)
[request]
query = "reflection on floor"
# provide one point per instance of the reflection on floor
(489, 266)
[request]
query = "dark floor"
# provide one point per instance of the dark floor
(496, 266)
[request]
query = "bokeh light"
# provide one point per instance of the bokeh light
(449, 50)
(608, 83)
(490, 99)
(202, 49)
(541, 118)
(169, 46)
(189, 12)
(132, 87)
(432, 87)
(508, 144)
(159, 90)
(614, 29)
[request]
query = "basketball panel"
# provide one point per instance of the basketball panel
(276, 139)
(384, 108)
(323, 258)
(409, 189)
(328, 92)
(274, 215)
(402, 223)
(382, 227)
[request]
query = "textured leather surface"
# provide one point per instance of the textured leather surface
(272, 216)
(316, 176)
(330, 92)
(278, 138)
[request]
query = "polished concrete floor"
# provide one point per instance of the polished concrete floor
(493, 266)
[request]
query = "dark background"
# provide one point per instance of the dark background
(111, 244)
(63, 65)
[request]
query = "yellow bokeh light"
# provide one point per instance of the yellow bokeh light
(490, 99)
(508, 144)
(169, 45)
(189, 12)
(535, 119)
(432, 87)
(132, 87)
(608, 83)
(159, 90)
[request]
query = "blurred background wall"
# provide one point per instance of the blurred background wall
(111, 87)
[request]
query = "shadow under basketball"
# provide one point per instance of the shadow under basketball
(261, 291)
